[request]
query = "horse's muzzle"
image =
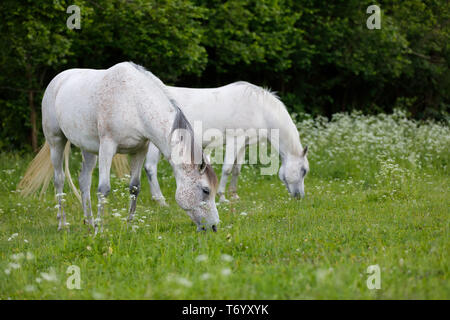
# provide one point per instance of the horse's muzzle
(298, 195)
(203, 228)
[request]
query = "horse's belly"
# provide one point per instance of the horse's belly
(127, 148)
(84, 140)
(79, 126)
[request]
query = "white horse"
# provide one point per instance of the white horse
(239, 105)
(119, 110)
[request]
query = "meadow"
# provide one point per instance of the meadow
(377, 194)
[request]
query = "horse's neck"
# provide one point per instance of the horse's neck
(159, 132)
(289, 139)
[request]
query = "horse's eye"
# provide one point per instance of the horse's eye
(205, 190)
(303, 172)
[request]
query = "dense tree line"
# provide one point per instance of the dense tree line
(318, 55)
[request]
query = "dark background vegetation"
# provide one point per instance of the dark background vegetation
(318, 55)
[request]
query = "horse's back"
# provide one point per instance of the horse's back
(236, 105)
(88, 105)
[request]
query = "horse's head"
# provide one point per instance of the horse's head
(196, 182)
(196, 190)
(293, 171)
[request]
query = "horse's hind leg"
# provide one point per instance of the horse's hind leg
(136, 163)
(105, 155)
(151, 169)
(89, 161)
(57, 153)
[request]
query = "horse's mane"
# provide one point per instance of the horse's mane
(275, 104)
(260, 92)
(180, 122)
(158, 81)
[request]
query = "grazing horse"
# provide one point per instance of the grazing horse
(119, 110)
(239, 105)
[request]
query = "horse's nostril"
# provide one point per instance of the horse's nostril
(214, 228)
(298, 195)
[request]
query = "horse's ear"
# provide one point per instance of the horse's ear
(305, 151)
(203, 165)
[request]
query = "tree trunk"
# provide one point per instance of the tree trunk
(33, 116)
(34, 142)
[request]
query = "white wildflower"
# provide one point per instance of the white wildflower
(226, 272)
(17, 256)
(184, 282)
(201, 258)
(98, 295)
(49, 276)
(13, 265)
(205, 276)
(14, 235)
(30, 288)
(226, 257)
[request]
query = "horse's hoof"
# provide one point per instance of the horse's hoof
(163, 203)
(89, 223)
(97, 230)
(235, 196)
(223, 200)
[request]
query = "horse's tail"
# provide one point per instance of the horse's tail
(40, 172)
(121, 165)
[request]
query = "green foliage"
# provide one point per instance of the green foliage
(162, 35)
(319, 56)
(33, 42)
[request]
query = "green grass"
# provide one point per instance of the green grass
(318, 248)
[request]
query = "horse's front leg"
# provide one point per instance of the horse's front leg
(230, 158)
(236, 171)
(226, 170)
(105, 155)
(234, 179)
(137, 161)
